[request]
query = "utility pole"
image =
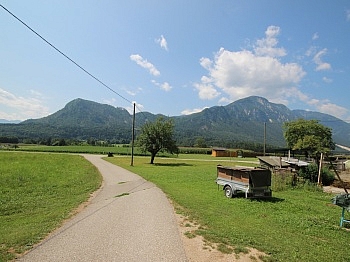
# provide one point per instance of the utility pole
(264, 138)
(133, 137)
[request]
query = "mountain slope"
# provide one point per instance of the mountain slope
(243, 121)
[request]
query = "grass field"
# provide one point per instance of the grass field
(297, 224)
(37, 192)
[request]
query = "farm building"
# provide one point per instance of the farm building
(274, 162)
(222, 152)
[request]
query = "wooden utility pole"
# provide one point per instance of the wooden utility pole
(133, 137)
(264, 138)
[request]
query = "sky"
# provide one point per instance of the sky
(174, 57)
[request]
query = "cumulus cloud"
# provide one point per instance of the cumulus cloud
(243, 73)
(267, 45)
(325, 106)
(22, 108)
(162, 42)
(145, 64)
(164, 86)
(315, 36)
(239, 74)
(318, 61)
(232, 75)
(206, 90)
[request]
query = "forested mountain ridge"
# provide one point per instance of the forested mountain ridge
(238, 123)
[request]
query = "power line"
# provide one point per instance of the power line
(67, 57)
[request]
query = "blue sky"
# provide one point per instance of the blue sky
(175, 57)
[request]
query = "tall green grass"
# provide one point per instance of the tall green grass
(297, 224)
(37, 192)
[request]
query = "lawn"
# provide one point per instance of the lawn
(297, 224)
(38, 191)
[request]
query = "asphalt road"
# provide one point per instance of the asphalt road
(137, 226)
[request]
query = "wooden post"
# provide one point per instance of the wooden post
(319, 180)
(133, 137)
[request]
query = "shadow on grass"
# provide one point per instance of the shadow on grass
(266, 199)
(172, 164)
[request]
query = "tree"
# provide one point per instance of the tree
(157, 136)
(309, 136)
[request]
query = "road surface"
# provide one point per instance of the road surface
(130, 219)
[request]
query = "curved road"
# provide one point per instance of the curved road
(130, 219)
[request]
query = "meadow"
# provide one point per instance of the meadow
(38, 192)
(297, 224)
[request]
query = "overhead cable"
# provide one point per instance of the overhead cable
(71, 60)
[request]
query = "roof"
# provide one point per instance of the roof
(219, 149)
(275, 161)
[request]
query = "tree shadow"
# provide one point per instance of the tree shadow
(172, 164)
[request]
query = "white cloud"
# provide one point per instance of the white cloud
(192, 111)
(347, 15)
(145, 64)
(233, 75)
(138, 107)
(315, 36)
(165, 86)
(162, 42)
(318, 61)
(22, 108)
(243, 73)
(327, 80)
(267, 45)
(325, 106)
(206, 90)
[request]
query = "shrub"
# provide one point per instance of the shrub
(310, 173)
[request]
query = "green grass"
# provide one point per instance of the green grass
(295, 225)
(37, 192)
(77, 149)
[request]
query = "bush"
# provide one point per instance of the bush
(310, 173)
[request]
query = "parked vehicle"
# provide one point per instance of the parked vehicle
(254, 182)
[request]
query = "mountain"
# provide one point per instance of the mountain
(239, 121)
(244, 122)
(4, 121)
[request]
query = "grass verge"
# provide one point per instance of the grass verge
(297, 224)
(38, 191)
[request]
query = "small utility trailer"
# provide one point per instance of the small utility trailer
(254, 182)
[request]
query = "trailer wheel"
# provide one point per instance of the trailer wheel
(228, 191)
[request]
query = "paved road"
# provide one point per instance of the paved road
(140, 226)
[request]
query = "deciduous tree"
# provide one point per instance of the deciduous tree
(157, 136)
(309, 136)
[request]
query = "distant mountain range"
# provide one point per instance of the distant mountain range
(241, 122)
(4, 121)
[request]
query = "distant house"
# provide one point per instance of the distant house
(222, 152)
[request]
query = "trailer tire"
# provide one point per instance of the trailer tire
(228, 191)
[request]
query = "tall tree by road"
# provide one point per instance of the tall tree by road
(157, 136)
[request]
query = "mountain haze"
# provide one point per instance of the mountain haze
(242, 121)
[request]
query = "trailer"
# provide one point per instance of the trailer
(254, 182)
